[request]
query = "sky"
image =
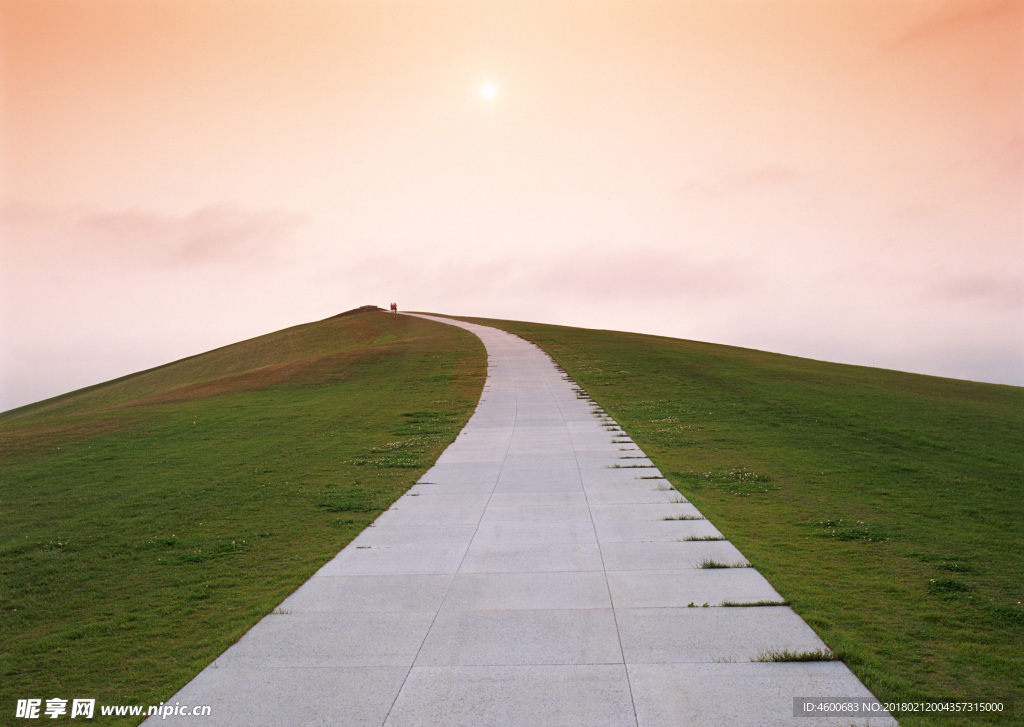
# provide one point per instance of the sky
(836, 179)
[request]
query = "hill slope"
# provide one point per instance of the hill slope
(146, 523)
(887, 507)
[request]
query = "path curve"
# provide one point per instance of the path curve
(543, 572)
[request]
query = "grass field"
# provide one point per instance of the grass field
(887, 508)
(147, 523)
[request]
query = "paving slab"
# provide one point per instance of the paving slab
(614, 531)
(632, 495)
(378, 535)
(536, 532)
(412, 558)
(674, 635)
(634, 556)
(380, 593)
(357, 639)
(626, 472)
(667, 589)
(534, 558)
(544, 477)
(598, 456)
(532, 499)
(271, 697)
(645, 512)
(535, 513)
(522, 636)
(472, 472)
(532, 484)
(749, 694)
(605, 475)
(428, 511)
(524, 591)
(480, 696)
(462, 488)
(542, 572)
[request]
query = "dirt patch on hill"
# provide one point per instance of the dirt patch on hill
(328, 369)
(32, 440)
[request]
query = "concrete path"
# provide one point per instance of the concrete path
(541, 573)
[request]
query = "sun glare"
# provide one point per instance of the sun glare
(488, 91)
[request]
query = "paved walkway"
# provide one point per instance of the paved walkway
(541, 573)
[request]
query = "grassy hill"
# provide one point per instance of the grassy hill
(147, 523)
(886, 507)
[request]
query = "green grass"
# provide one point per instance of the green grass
(147, 523)
(887, 508)
(787, 655)
(712, 563)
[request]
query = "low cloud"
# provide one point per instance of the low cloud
(586, 275)
(743, 181)
(216, 234)
(956, 18)
(1008, 161)
(999, 292)
(638, 274)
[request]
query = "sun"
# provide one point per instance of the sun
(488, 91)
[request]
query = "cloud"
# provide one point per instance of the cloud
(216, 234)
(219, 234)
(956, 18)
(1009, 161)
(586, 274)
(741, 181)
(639, 274)
(999, 292)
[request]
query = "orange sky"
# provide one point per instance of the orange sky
(839, 179)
